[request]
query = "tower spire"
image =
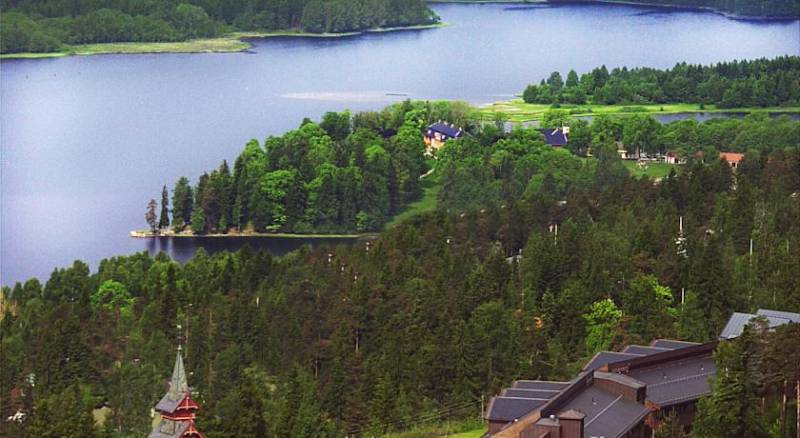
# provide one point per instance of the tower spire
(177, 408)
(178, 385)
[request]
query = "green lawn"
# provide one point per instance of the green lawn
(477, 433)
(430, 192)
(459, 429)
(519, 111)
(651, 170)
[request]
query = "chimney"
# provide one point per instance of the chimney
(565, 129)
(571, 423)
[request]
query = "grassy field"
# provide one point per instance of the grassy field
(477, 433)
(430, 191)
(233, 42)
(472, 428)
(651, 170)
(519, 111)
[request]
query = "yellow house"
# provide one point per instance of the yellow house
(437, 134)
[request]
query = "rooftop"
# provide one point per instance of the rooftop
(507, 409)
(554, 136)
(738, 321)
(446, 129)
(665, 373)
(616, 390)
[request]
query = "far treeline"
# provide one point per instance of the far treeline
(756, 83)
(445, 308)
(46, 25)
(742, 8)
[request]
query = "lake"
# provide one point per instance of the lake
(85, 142)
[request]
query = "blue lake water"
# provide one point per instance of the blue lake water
(86, 141)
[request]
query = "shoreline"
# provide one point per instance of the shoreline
(730, 15)
(631, 3)
(518, 111)
(146, 234)
(236, 42)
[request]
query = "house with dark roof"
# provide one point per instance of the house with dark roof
(437, 134)
(556, 137)
(618, 394)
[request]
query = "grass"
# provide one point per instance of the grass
(651, 170)
(519, 111)
(471, 428)
(477, 433)
(233, 42)
(430, 192)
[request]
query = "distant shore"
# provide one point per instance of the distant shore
(234, 42)
(147, 234)
(628, 2)
(518, 111)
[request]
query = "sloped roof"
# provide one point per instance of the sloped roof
(731, 157)
(605, 357)
(668, 373)
(529, 393)
(170, 429)
(677, 381)
(641, 349)
(448, 130)
(791, 316)
(671, 344)
(738, 321)
(508, 409)
(606, 414)
(540, 384)
(554, 136)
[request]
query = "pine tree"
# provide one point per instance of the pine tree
(733, 408)
(163, 221)
(150, 216)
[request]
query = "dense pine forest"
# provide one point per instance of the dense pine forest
(756, 83)
(46, 25)
(536, 259)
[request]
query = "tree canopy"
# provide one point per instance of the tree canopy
(441, 309)
(747, 83)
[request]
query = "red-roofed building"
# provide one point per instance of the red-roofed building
(732, 158)
(177, 408)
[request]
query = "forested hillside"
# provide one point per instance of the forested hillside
(756, 83)
(45, 25)
(431, 315)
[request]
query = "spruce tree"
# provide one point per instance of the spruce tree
(163, 221)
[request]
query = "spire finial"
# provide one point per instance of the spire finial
(178, 386)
